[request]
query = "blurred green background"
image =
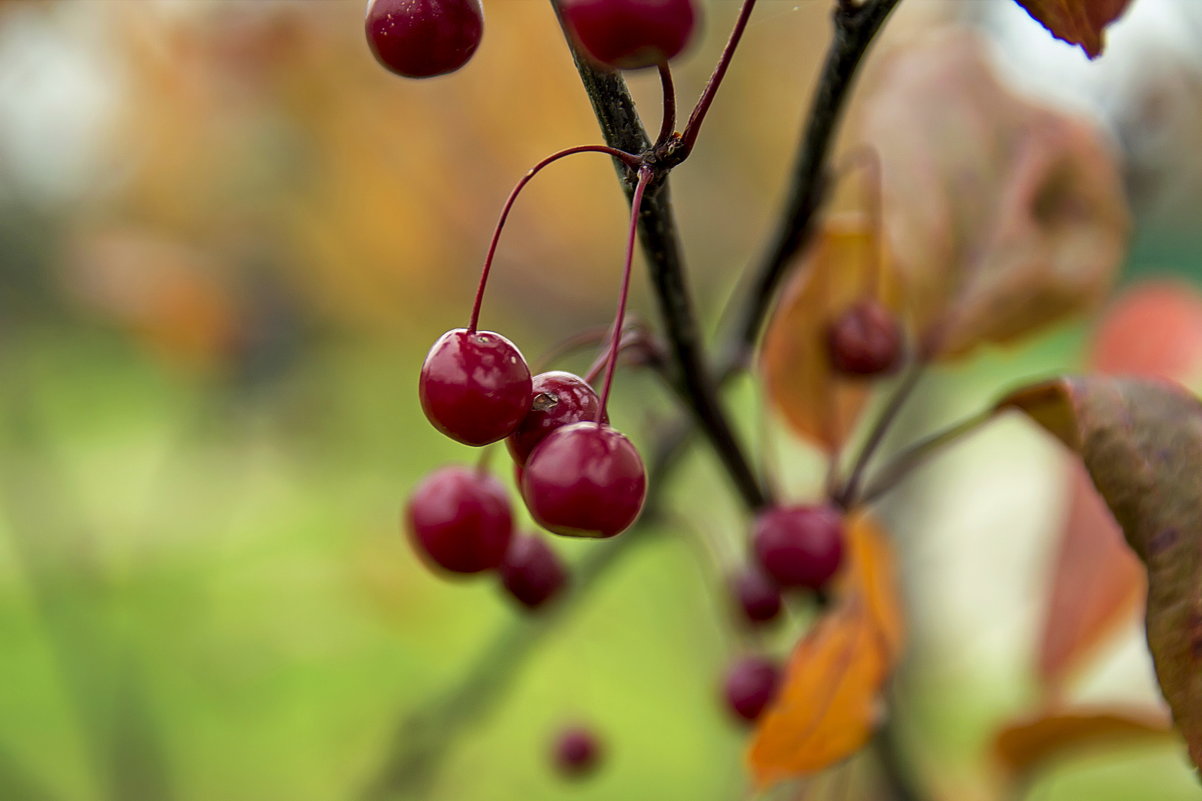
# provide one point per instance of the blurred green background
(227, 238)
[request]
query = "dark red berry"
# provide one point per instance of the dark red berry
(799, 546)
(576, 752)
(865, 340)
(459, 518)
(629, 34)
(757, 595)
(475, 387)
(531, 572)
(560, 399)
(424, 38)
(585, 480)
(750, 687)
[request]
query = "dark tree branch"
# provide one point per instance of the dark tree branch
(856, 25)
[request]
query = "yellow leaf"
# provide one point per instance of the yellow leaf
(1027, 745)
(838, 269)
(828, 703)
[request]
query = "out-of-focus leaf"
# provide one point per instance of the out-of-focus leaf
(1096, 582)
(828, 704)
(1003, 216)
(1141, 441)
(1078, 22)
(1025, 746)
(1153, 329)
(838, 269)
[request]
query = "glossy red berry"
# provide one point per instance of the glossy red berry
(475, 386)
(865, 340)
(750, 686)
(630, 34)
(531, 573)
(424, 38)
(459, 518)
(560, 399)
(757, 596)
(576, 752)
(585, 480)
(799, 546)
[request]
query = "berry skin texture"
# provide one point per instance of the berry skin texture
(585, 480)
(865, 340)
(531, 573)
(475, 387)
(750, 686)
(560, 399)
(631, 34)
(576, 752)
(424, 38)
(799, 546)
(757, 596)
(460, 520)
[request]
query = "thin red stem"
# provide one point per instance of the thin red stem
(636, 203)
(668, 125)
(693, 127)
(626, 158)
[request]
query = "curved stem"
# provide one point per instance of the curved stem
(692, 128)
(625, 158)
(668, 125)
(645, 176)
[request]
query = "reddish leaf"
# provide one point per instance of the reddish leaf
(1141, 441)
(1096, 583)
(1078, 22)
(1152, 329)
(838, 269)
(828, 703)
(1025, 746)
(1004, 216)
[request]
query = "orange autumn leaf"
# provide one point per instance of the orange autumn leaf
(1025, 746)
(1078, 22)
(828, 704)
(838, 269)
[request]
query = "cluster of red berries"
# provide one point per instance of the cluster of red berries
(794, 548)
(424, 38)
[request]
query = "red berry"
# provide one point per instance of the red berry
(799, 546)
(560, 399)
(459, 518)
(585, 480)
(750, 686)
(576, 751)
(757, 595)
(629, 34)
(475, 387)
(424, 38)
(531, 572)
(865, 340)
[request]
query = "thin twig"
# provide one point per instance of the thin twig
(856, 27)
(880, 428)
(905, 462)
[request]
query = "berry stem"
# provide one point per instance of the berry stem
(915, 455)
(876, 436)
(626, 158)
(693, 127)
(636, 203)
(668, 125)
